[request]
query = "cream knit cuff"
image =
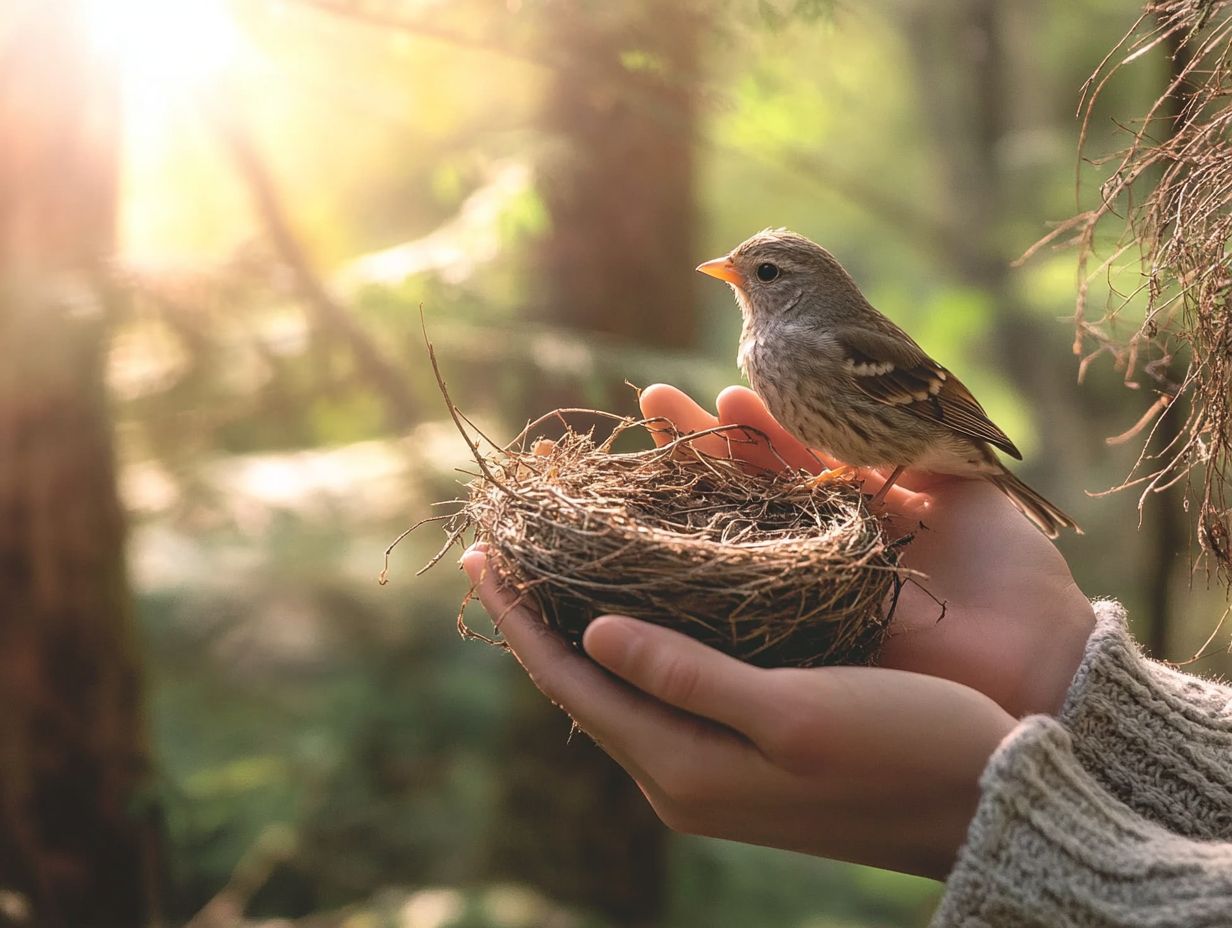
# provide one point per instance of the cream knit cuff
(1157, 739)
(1050, 848)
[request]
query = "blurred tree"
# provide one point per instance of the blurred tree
(1165, 525)
(76, 840)
(963, 53)
(617, 182)
(620, 114)
(962, 57)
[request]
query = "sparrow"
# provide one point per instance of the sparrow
(843, 378)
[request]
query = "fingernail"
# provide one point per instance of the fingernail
(609, 638)
(473, 562)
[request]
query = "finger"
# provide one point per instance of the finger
(741, 405)
(886, 718)
(900, 503)
(681, 672)
(916, 496)
(556, 668)
(682, 411)
(778, 447)
(616, 715)
(923, 481)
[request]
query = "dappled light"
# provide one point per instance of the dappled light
(229, 230)
(171, 48)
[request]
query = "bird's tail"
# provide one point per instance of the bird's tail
(1044, 514)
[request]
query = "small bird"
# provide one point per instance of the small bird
(842, 377)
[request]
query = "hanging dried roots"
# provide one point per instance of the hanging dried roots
(1170, 192)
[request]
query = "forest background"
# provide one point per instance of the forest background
(218, 221)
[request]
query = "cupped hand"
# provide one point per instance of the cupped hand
(1015, 622)
(868, 765)
(873, 765)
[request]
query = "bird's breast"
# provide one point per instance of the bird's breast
(748, 346)
(800, 377)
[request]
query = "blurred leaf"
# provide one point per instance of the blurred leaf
(238, 776)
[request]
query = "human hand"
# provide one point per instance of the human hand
(873, 765)
(869, 765)
(1015, 622)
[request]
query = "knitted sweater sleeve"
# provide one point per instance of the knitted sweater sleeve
(1157, 739)
(1119, 814)
(1049, 847)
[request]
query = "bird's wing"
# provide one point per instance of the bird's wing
(891, 368)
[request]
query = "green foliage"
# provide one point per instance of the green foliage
(720, 884)
(286, 699)
(289, 691)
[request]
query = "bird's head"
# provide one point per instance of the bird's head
(778, 273)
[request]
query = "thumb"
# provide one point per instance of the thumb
(679, 671)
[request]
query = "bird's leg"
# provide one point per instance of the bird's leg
(829, 474)
(885, 487)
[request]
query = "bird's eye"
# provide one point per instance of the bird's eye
(767, 272)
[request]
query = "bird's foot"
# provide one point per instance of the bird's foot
(885, 487)
(842, 472)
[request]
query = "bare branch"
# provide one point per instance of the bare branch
(330, 312)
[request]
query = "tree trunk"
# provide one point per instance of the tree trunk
(1165, 522)
(618, 180)
(75, 841)
(961, 51)
(962, 72)
(618, 186)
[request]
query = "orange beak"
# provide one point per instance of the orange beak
(723, 269)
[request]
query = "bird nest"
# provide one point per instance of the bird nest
(761, 565)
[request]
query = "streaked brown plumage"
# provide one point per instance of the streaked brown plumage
(842, 377)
